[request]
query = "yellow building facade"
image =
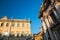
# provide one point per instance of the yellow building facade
(14, 26)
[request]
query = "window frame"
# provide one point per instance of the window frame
(7, 24)
(18, 24)
(12, 24)
(2, 24)
(22, 24)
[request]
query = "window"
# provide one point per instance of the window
(2, 24)
(22, 34)
(23, 25)
(7, 24)
(18, 34)
(0, 34)
(50, 20)
(12, 24)
(27, 24)
(11, 34)
(53, 16)
(18, 25)
(58, 9)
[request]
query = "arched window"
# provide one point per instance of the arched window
(11, 34)
(2, 24)
(18, 35)
(7, 24)
(21, 35)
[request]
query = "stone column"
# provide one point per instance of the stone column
(50, 19)
(44, 27)
(48, 26)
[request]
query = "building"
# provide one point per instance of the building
(15, 27)
(38, 36)
(50, 17)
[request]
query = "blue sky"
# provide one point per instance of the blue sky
(22, 9)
